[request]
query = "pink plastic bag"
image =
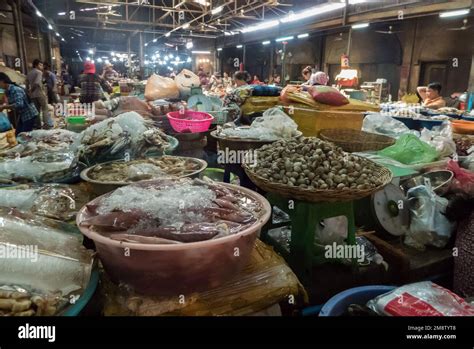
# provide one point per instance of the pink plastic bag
(463, 179)
(421, 299)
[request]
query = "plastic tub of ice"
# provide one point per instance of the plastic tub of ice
(175, 269)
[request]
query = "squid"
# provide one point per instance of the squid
(186, 235)
(116, 220)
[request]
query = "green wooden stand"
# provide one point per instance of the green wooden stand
(304, 217)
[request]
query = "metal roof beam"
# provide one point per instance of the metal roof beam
(157, 7)
(133, 30)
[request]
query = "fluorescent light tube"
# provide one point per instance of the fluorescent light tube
(454, 13)
(312, 11)
(285, 38)
(264, 25)
(360, 25)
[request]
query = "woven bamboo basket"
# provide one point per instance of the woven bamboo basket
(355, 141)
(318, 195)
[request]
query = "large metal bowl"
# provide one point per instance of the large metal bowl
(177, 269)
(102, 187)
(440, 181)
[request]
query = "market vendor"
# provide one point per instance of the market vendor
(109, 74)
(92, 85)
(275, 80)
(241, 78)
(306, 74)
(237, 96)
(256, 80)
(227, 80)
(319, 78)
(18, 100)
(51, 84)
(431, 95)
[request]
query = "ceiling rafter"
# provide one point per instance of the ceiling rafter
(158, 7)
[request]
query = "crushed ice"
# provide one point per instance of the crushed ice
(172, 205)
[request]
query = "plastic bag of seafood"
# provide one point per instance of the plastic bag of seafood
(23, 301)
(126, 136)
(42, 167)
(50, 200)
(41, 255)
(182, 234)
(56, 137)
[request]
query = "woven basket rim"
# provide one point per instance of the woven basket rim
(317, 195)
(333, 132)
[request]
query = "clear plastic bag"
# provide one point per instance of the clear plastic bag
(50, 200)
(52, 256)
(421, 299)
(41, 167)
(385, 125)
(125, 136)
(185, 80)
(276, 119)
(441, 138)
(429, 225)
(18, 300)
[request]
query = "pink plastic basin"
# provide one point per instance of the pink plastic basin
(190, 121)
(177, 269)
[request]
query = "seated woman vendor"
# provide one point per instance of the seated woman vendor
(241, 78)
(431, 96)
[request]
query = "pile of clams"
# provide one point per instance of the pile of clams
(310, 163)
